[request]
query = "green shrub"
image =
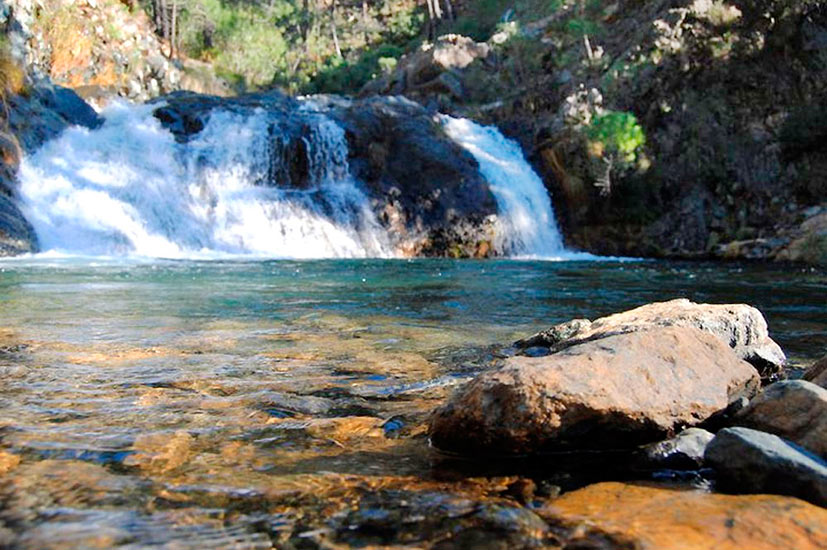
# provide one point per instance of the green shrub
(618, 132)
(342, 77)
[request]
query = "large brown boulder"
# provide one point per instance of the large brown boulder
(741, 327)
(618, 392)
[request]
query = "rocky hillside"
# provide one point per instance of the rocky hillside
(99, 48)
(663, 128)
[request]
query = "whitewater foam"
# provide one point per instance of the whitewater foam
(128, 188)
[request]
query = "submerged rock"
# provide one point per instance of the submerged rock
(740, 326)
(621, 391)
(751, 461)
(608, 516)
(792, 409)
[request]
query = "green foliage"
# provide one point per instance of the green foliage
(580, 27)
(618, 132)
(340, 77)
(301, 45)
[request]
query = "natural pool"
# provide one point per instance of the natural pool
(250, 404)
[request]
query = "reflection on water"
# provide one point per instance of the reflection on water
(259, 404)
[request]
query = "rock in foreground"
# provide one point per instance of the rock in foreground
(616, 515)
(740, 326)
(749, 461)
(792, 409)
(618, 392)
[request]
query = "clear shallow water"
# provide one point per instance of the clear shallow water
(244, 404)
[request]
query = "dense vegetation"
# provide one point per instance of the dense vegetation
(299, 45)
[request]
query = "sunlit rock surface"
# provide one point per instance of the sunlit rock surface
(616, 515)
(616, 392)
(740, 326)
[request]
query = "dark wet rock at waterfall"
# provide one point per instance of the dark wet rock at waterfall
(44, 112)
(740, 326)
(617, 392)
(428, 190)
(425, 189)
(30, 120)
(752, 461)
(16, 234)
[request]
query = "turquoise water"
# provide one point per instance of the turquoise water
(140, 397)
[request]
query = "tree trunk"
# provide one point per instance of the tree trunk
(173, 47)
(333, 29)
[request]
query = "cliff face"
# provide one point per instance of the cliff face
(730, 99)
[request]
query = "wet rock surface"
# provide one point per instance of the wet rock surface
(425, 189)
(751, 461)
(740, 326)
(29, 120)
(685, 451)
(616, 392)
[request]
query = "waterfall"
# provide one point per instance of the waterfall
(252, 182)
(128, 188)
(525, 216)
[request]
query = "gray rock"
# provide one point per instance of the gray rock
(618, 392)
(685, 451)
(751, 461)
(16, 234)
(793, 409)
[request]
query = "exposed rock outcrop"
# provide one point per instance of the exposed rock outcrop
(730, 96)
(739, 326)
(432, 70)
(617, 392)
(425, 189)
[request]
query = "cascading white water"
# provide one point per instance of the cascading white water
(128, 188)
(527, 223)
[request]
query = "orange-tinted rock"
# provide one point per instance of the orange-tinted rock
(8, 462)
(616, 515)
(618, 392)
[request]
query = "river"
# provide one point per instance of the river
(249, 404)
